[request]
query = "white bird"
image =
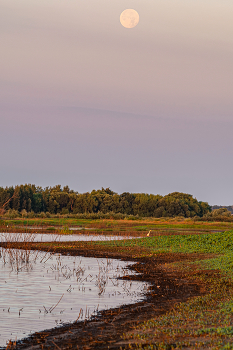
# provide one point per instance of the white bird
(148, 234)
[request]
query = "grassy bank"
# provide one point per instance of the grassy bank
(201, 322)
(204, 322)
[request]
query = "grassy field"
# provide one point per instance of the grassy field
(203, 322)
(158, 226)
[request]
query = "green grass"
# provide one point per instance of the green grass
(204, 322)
(142, 224)
(48, 221)
(218, 242)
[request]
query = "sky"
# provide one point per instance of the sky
(88, 103)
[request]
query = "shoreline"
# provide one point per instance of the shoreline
(105, 330)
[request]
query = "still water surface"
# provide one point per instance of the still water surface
(48, 237)
(40, 290)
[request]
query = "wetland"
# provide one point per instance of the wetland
(44, 290)
(186, 289)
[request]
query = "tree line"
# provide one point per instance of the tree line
(58, 200)
(228, 207)
(220, 214)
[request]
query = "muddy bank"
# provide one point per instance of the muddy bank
(104, 331)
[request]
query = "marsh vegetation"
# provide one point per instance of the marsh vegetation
(187, 263)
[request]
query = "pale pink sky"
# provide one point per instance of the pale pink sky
(88, 103)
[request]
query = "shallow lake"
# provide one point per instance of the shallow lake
(51, 237)
(56, 228)
(40, 290)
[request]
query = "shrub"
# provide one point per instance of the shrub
(41, 215)
(12, 214)
(221, 214)
(24, 213)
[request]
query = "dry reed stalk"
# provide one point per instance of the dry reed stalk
(2, 210)
(55, 345)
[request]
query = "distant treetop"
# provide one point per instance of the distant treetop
(58, 200)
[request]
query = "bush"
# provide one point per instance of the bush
(221, 214)
(24, 213)
(41, 215)
(64, 211)
(100, 215)
(12, 214)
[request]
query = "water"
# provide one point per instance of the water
(48, 237)
(39, 290)
(56, 228)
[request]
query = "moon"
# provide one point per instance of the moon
(129, 18)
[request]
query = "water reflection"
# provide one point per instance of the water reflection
(47, 237)
(41, 290)
(56, 228)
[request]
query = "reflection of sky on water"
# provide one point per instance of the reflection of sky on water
(45, 237)
(56, 228)
(30, 291)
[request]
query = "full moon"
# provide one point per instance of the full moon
(129, 18)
